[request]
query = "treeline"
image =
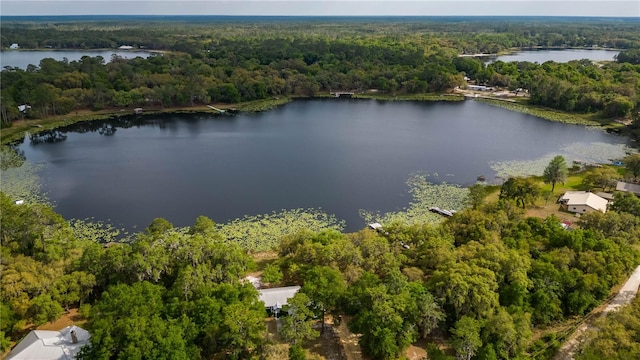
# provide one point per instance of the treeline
(483, 280)
(467, 34)
(248, 68)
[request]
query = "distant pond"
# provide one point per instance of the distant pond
(340, 155)
(22, 58)
(562, 56)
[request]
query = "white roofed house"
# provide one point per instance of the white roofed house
(582, 202)
(51, 345)
(274, 299)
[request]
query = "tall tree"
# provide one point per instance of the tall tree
(522, 190)
(603, 177)
(466, 337)
(556, 171)
(428, 313)
(632, 164)
(626, 202)
(325, 286)
(298, 325)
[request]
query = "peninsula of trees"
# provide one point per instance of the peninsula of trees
(214, 61)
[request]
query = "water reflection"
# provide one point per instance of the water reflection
(48, 136)
(337, 155)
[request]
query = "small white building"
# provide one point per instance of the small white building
(375, 226)
(274, 299)
(14, 46)
(478, 87)
(582, 202)
(126, 47)
(51, 345)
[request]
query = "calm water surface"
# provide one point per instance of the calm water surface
(22, 58)
(338, 155)
(562, 56)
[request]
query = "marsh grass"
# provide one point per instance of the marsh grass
(550, 114)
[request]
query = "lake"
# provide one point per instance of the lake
(340, 155)
(22, 58)
(562, 56)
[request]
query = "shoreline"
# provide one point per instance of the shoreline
(20, 127)
(152, 51)
(516, 50)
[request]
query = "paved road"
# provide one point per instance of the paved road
(625, 296)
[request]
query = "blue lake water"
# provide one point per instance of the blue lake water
(340, 155)
(541, 56)
(22, 58)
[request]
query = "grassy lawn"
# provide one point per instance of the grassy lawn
(546, 205)
(263, 259)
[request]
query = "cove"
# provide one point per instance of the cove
(340, 155)
(23, 58)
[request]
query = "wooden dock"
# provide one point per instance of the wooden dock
(216, 109)
(343, 94)
(437, 210)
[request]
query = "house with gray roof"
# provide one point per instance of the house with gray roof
(628, 187)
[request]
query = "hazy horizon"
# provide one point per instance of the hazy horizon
(344, 8)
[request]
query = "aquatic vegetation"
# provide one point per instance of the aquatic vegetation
(263, 105)
(263, 232)
(425, 194)
(20, 178)
(592, 153)
(97, 231)
(549, 114)
(413, 97)
(597, 152)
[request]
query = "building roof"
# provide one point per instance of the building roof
(375, 226)
(578, 198)
(605, 195)
(277, 297)
(50, 345)
(627, 187)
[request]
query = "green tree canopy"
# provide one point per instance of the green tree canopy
(601, 177)
(556, 171)
(325, 287)
(632, 164)
(521, 190)
(297, 326)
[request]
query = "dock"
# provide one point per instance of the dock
(343, 94)
(437, 210)
(216, 109)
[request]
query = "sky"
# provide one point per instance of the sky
(599, 8)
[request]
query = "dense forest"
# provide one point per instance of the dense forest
(226, 62)
(487, 283)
